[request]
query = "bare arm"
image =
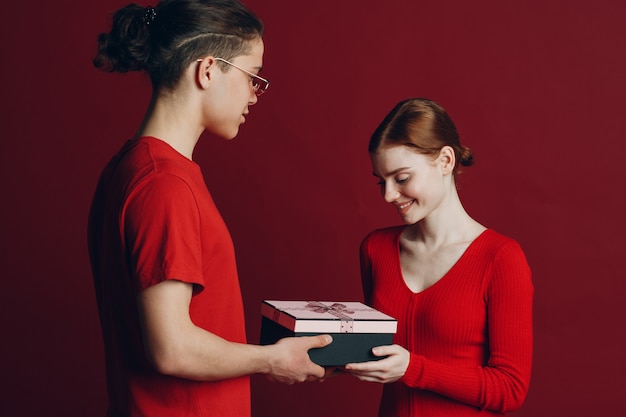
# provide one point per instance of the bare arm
(177, 347)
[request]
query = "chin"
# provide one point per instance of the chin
(233, 134)
(411, 219)
(229, 135)
(225, 132)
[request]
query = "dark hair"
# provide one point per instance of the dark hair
(423, 126)
(165, 39)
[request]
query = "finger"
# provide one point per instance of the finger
(363, 366)
(365, 378)
(382, 350)
(319, 341)
(318, 372)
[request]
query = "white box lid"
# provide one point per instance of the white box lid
(328, 317)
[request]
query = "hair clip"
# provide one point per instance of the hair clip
(149, 15)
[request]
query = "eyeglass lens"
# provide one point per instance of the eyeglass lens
(259, 85)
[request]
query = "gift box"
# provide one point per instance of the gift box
(355, 327)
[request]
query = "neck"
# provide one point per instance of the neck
(173, 120)
(448, 223)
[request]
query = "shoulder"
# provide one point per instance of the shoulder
(496, 244)
(391, 232)
(149, 164)
(160, 157)
(387, 236)
(505, 257)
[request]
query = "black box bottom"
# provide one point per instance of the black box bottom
(345, 348)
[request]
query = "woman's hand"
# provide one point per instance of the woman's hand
(383, 371)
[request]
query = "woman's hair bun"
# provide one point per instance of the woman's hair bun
(467, 156)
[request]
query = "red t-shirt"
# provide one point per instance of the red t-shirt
(469, 334)
(153, 219)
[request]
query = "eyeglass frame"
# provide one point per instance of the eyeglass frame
(257, 89)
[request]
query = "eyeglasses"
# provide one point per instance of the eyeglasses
(259, 84)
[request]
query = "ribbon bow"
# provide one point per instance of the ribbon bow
(336, 309)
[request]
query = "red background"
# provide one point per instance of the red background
(536, 88)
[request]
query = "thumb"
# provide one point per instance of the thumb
(382, 350)
(320, 341)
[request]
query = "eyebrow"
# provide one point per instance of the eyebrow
(394, 172)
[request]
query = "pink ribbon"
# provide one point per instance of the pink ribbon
(336, 309)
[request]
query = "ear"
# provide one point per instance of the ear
(203, 71)
(447, 159)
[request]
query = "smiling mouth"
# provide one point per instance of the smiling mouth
(405, 205)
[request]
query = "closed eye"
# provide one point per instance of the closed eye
(402, 179)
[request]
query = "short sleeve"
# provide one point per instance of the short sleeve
(161, 231)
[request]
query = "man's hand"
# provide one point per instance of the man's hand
(290, 362)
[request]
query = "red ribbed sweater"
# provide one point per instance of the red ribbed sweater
(469, 334)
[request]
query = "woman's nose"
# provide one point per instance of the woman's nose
(390, 193)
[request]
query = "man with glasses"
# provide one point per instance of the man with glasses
(163, 261)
